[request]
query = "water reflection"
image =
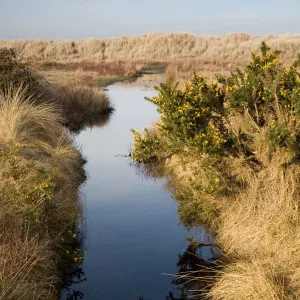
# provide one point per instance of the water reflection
(73, 258)
(74, 295)
(195, 272)
(187, 211)
(148, 82)
(198, 264)
(98, 120)
(150, 170)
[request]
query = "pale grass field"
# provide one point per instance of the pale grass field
(232, 47)
(187, 53)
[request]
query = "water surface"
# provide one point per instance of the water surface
(133, 232)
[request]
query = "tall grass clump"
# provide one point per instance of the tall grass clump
(84, 106)
(14, 72)
(76, 104)
(40, 172)
(231, 151)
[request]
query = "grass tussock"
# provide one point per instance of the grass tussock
(251, 280)
(171, 73)
(22, 121)
(84, 106)
(40, 171)
(77, 102)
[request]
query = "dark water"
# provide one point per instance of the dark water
(133, 232)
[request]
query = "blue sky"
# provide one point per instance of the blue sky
(79, 19)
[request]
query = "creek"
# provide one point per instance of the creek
(133, 235)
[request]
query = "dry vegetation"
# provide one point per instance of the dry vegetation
(78, 102)
(250, 197)
(83, 106)
(86, 73)
(116, 57)
(155, 47)
(257, 229)
(260, 234)
(40, 171)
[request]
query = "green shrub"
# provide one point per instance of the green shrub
(270, 94)
(148, 146)
(191, 118)
(235, 168)
(279, 135)
(197, 118)
(264, 87)
(26, 192)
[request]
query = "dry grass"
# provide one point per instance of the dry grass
(230, 47)
(251, 280)
(40, 171)
(27, 268)
(206, 55)
(185, 68)
(257, 225)
(171, 73)
(82, 106)
(86, 73)
(78, 97)
(22, 121)
(260, 235)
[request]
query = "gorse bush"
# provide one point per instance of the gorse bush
(30, 189)
(196, 111)
(197, 118)
(150, 145)
(224, 120)
(190, 118)
(269, 93)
